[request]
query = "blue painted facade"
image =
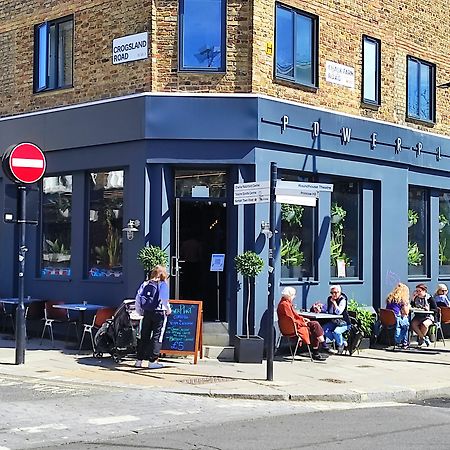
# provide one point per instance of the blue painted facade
(150, 135)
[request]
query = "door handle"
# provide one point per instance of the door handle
(175, 266)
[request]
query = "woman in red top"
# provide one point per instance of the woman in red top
(310, 330)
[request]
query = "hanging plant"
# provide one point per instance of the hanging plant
(413, 217)
(414, 254)
(152, 256)
(292, 214)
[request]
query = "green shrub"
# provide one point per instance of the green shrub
(365, 318)
(152, 256)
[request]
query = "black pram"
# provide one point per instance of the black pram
(117, 336)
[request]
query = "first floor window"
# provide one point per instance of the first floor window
(344, 238)
(371, 70)
(417, 231)
(56, 226)
(53, 50)
(105, 223)
(421, 97)
(444, 233)
(202, 35)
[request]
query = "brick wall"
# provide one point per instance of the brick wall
(416, 28)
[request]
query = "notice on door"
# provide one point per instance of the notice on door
(217, 262)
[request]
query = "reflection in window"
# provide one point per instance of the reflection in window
(444, 233)
(344, 216)
(200, 183)
(417, 231)
(56, 225)
(202, 35)
(105, 223)
(371, 70)
(297, 237)
(421, 90)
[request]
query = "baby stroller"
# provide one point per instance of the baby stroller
(117, 336)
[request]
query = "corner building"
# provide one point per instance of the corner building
(151, 111)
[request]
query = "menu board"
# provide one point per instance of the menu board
(183, 334)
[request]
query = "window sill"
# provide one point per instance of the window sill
(58, 91)
(116, 280)
(220, 72)
(54, 278)
(371, 106)
(297, 282)
(426, 123)
(293, 84)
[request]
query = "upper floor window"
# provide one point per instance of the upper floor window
(296, 43)
(202, 35)
(371, 88)
(53, 61)
(421, 81)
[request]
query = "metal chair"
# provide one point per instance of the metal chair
(101, 316)
(6, 315)
(443, 318)
(289, 330)
(388, 322)
(57, 315)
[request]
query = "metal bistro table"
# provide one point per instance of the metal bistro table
(15, 301)
(319, 316)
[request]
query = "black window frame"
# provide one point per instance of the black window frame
(314, 46)
(432, 87)
(377, 42)
(48, 85)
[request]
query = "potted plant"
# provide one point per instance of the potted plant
(443, 258)
(366, 320)
(151, 257)
(249, 348)
(337, 218)
(413, 217)
(56, 252)
(291, 255)
(414, 258)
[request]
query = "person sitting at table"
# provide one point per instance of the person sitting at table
(398, 301)
(334, 330)
(421, 322)
(441, 295)
(305, 327)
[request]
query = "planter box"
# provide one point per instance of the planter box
(249, 350)
(415, 270)
(444, 269)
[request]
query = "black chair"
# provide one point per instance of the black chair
(58, 316)
(6, 315)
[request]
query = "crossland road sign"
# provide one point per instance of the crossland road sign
(256, 192)
(25, 163)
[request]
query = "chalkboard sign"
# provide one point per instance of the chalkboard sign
(183, 335)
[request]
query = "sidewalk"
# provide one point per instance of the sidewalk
(373, 375)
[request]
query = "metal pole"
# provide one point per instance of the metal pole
(218, 296)
(271, 281)
(20, 311)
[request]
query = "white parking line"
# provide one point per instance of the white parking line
(40, 428)
(110, 420)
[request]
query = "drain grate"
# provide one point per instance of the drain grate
(332, 380)
(205, 380)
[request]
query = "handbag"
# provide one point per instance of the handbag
(339, 322)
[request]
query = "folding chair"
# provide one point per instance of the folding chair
(57, 315)
(388, 322)
(289, 330)
(101, 316)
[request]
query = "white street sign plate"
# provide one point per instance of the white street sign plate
(297, 200)
(321, 187)
(256, 192)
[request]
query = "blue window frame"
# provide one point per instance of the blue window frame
(202, 35)
(296, 46)
(421, 95)
(53, 55)
(371, 71)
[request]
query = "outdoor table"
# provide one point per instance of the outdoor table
(320, 316)
(15, 301)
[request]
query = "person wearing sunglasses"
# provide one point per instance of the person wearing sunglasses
(441, 295)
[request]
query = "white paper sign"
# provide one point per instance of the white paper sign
(340, 74)
(341, 268)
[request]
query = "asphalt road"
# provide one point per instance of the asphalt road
(47, 414)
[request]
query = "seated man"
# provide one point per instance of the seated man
(305, 327)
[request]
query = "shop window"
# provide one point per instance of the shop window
(105, 223)
(345, 229)
(53, 50)
(56, 225)
(202, 35)
(417, 232)
(297, 237)
(371, 88)
(444, 234)
(200, 183)
(296, 43)
(421, 81)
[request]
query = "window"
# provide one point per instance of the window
(56, 225)
(200, 183)
(202, 35)
(417, 231)
(296, 46)
(444, 234)
(421, 80)
(105, 224)
(53, 61)
(371, 76)
(344, 217)
(297, 237)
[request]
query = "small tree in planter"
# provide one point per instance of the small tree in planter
(249, 348)
(152, 256)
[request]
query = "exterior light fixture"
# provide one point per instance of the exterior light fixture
(265, 229)
(131, 228)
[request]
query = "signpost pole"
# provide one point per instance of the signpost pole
(271, 278)
(20, 311)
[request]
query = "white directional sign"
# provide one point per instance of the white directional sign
(256, 192)
(323, 187)
(300, 193)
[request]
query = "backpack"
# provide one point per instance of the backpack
(148, 295)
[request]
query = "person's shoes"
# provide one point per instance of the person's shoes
(340, 349)
(405, 346)
(419, 342)
(155, 365)
(426, 339)
(328, 350)
(138, 363)
(318, 357)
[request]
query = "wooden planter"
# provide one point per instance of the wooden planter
(249, 350)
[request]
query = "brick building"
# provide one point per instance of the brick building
(152, 110)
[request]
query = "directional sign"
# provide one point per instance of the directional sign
(24, 163)
(322, 187)
(257, 192)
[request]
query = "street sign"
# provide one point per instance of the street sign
(256, 192)
(322, 187)
(24, 163)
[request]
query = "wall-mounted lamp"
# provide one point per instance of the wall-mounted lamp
(265, 229)
(131, 228)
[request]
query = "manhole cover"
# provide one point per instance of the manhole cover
(205, 380)
(332, 380)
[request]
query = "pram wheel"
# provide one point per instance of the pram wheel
(116, 358)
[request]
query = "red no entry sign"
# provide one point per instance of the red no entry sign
(24, 163)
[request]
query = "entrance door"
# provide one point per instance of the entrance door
(200, 231)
